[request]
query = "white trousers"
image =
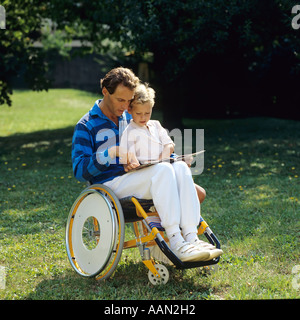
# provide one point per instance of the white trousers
(172, 189)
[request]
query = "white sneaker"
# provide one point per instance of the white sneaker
(188, 252)
(213, 251)
(203, 244)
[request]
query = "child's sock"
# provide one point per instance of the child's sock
(191, 237)
(174, 239)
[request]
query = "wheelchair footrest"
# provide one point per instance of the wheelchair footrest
(180, 264)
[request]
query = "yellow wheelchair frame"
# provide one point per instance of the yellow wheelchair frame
(95, 234)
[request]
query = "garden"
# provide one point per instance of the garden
(251, 176)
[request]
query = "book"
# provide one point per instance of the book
(170, 160)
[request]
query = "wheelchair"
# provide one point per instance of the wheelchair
(95, 234)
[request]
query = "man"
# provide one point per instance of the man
(95, 156)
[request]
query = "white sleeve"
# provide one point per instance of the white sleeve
(163, 135)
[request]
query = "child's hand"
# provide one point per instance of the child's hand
(125, 155)
(132, 162)
(167, 151)
(128, 159)
(130, 166)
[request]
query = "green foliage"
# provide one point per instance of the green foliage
(243, 48)
(178, 31)
(23, 21)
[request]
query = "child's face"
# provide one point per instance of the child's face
(141, 113)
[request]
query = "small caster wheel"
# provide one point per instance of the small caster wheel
(163, 272)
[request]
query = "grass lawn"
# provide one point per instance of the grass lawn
(251, 176)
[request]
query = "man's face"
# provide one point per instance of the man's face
(119, 101)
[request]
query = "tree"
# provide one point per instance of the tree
(25, 25)
(23, 22)
(218, 57)
(207, 55)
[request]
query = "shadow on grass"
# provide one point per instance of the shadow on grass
(36, 180)
(38, 142)
(129, 281)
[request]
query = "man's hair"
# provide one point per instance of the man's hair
(118, 76)
(143, 93)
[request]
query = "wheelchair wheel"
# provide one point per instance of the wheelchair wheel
(95, 232)
(163, 272)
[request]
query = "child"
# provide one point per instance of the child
(146, 139)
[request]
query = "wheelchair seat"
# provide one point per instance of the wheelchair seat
(129, 209)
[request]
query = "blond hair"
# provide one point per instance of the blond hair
(143, 94)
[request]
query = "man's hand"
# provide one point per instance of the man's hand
(188, 160)
(113, 152)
